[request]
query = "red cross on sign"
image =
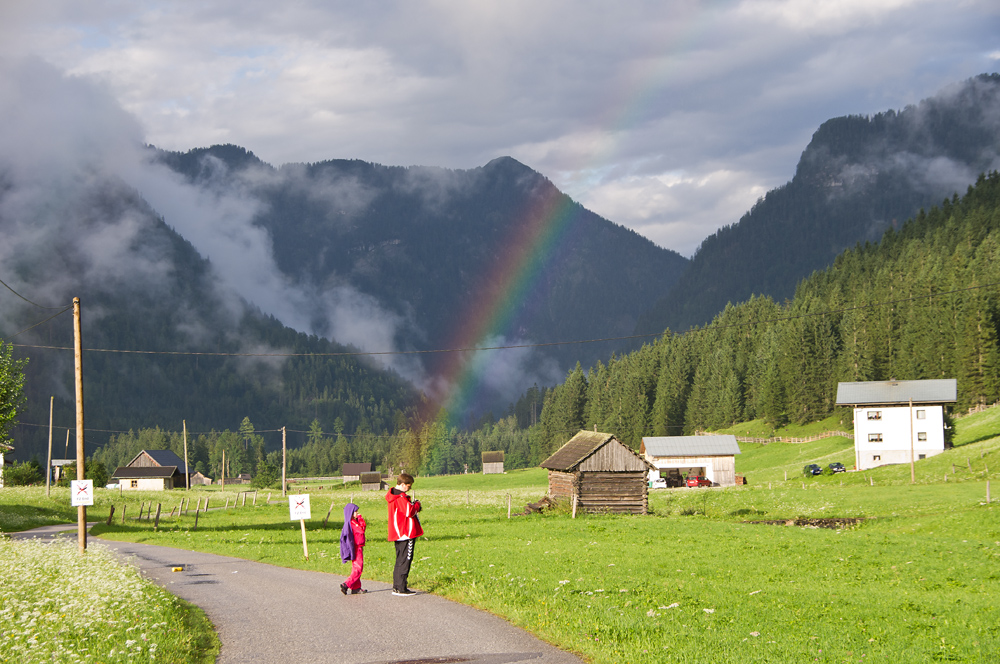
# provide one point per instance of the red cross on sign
(81, 492)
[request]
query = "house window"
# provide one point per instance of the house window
(921, 414)
(134, 484)
(877, 457)
(874, 438)
(921, 435)
(874, 414)
(921, 456)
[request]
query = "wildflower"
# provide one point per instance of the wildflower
(709, 610)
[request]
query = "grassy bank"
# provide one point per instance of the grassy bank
(59, 606)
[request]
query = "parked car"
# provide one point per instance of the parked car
(698, 480)
(812, 469)
(837, 467)
(657, 483)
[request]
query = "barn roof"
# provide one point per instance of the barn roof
(142, 472)
(580, 447)
(942, 390)
(681, 446)
(161, 458)
(355, 469)
(493, 457)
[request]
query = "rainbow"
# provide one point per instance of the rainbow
(543, 226)
(527, 255)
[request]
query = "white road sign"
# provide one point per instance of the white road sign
(298, 507)
(81, 492)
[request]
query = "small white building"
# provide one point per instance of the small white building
(897, 421)
(152, 470)
(4, 448)
(677, 457)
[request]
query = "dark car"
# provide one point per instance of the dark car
(698, 480)
(812, 469)
(837, 467)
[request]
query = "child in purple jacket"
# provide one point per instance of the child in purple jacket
(352, 544)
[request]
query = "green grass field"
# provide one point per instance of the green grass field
(914, 579)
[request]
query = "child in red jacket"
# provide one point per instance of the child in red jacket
(404, 529)
(352, 544)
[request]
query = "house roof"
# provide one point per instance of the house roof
(353, 469)
(161, 458)
(143, 472)
(581, 446)
(680, 446)
(944, 390)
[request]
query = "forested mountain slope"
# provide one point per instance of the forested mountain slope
(214, 360)
(922, 303)
(857, 177)
(437, 247)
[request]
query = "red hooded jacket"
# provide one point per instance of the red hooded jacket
(403, 521)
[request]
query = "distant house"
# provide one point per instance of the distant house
(352, 471)
(897, 421)
(152, 470)
(677, 457)
(601, 471)
(493, 463)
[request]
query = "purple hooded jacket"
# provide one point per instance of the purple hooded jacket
(348, 550)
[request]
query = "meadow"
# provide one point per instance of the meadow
(710, 575)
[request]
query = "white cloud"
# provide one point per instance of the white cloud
(596, 96)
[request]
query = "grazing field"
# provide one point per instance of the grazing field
(711, 575)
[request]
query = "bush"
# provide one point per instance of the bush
(22, 474)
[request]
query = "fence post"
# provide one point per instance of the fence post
(156, 524)
(508, 505)
(574, 505)
(112, 514)
(124, 507)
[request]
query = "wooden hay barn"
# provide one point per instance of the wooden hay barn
(371, 481)
(493, 463)
(604, 474)
(351, 472)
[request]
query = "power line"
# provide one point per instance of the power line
(40, 322)
(4, 284)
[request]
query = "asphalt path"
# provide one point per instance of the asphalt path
(264, 613)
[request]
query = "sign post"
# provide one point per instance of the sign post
(298, 508)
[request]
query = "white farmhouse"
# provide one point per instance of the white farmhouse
(897, 421)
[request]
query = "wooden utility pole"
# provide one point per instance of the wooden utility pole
(223, 470)
(187, 471)
(81, 516)
(48, 466)
(284, 464)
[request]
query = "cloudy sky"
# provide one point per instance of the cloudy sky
(671, 118)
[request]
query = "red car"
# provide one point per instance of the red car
(698, 480)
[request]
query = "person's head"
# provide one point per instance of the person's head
(404, 481)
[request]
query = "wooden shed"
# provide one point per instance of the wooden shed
(493, 463)
(371, 481)
(351, 472)
(604, 474)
